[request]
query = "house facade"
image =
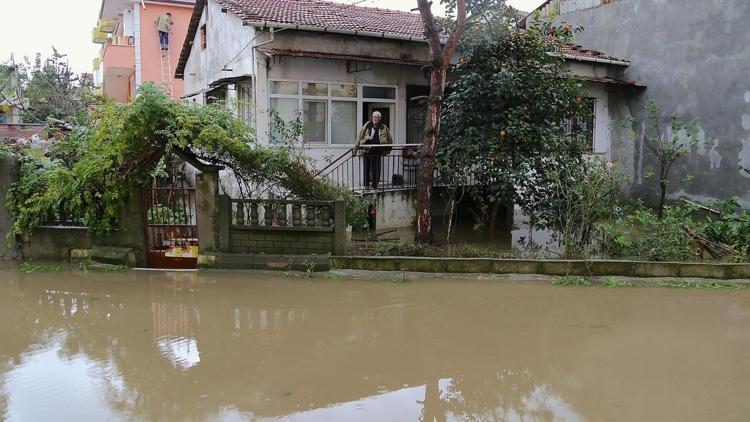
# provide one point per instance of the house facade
(131, 54)
(693, 55)
(334, 64)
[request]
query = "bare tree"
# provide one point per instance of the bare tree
(440, 57)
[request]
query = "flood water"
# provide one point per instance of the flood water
(251, 346)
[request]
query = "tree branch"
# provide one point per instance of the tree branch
(456, 34)
(431, 32)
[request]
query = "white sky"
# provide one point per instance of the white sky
(31, 26)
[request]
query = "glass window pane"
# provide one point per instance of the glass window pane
(286, 107)
(285, 88)
(311, 88)
(344, 91)
(245, 102)
(343, 122)
(378, 92)
(314, 120)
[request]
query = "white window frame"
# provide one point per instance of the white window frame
(359, 99)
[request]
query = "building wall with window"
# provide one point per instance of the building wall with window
(221, 49)
(334, 103)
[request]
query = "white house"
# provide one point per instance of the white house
(336, 64)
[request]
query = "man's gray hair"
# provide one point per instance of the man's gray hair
(377, 114)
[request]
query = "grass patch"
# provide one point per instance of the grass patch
(460, 250)
(679, 284)
(28, 267)
(571, 281)
(612, 282)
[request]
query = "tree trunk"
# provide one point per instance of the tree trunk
(427, 164)
(663, 172)
(440, 58)
(662, 198)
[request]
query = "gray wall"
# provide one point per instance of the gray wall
(694, 57)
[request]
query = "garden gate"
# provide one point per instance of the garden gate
(171, 222)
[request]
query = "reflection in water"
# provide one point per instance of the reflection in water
(248, 346)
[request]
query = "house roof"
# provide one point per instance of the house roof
(326, 16)
(576, 52)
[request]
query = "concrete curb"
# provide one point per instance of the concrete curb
(641, 269)
(239, 261)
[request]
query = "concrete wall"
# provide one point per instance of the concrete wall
(394, 209)
(693, 57)
(55, 243)
(270, 242)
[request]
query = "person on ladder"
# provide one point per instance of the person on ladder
(164, 26)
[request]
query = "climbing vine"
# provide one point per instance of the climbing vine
(89, 175)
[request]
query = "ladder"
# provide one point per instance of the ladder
(166, 71)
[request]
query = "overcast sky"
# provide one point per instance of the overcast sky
(31, 26)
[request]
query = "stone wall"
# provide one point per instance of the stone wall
(271, 242)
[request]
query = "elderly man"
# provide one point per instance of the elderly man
(373, 132)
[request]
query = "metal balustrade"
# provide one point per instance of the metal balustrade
(398, 164)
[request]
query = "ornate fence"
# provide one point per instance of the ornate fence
(281, 227)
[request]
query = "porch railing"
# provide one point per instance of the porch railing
(398, 165)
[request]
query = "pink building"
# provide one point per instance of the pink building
(131, 54)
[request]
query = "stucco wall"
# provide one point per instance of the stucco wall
(693, 55)
(150, 51)
(227, 48)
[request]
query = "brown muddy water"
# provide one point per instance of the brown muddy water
(254, 346)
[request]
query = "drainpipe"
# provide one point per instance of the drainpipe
(137, 48)
(255, 73)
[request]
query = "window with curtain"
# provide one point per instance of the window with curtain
(314, 120)
(329, 110)
(343, 122)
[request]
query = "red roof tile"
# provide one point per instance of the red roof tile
(576, 51)
(323, 14)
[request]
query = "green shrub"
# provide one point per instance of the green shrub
(731, 228)
(642, 235)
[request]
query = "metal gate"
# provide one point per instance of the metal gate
(171, 223)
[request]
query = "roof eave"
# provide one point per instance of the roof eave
(281, 25)
(596, 60)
